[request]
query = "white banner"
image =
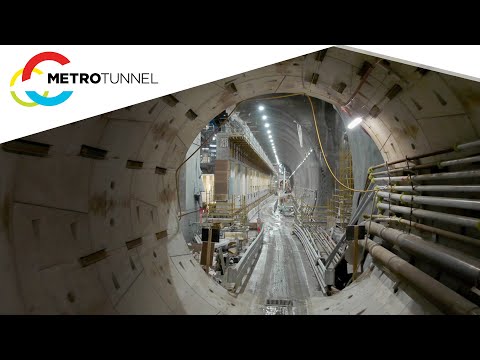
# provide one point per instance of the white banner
(84, 81)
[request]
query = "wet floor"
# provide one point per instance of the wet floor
(282, 281)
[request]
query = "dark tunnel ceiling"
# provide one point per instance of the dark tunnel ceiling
(282, 115)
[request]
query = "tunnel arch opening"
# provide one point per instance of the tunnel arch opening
(45, 197)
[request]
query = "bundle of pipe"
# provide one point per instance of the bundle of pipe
(457, 203)
(436, 188)
(454, 262)
(438, 294)
(461, 147)
(433, 215)
(440, 165)
(434, 230)
(325, 241)
(430, 177)
(312, 255)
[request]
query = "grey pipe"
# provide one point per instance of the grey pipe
(433, 215)
(467, 160)
(442, 164)
(438, 188)
(433, 200)
(438, 294)
(448, 234)
(469, 145)
(440, 176)
(466, 268)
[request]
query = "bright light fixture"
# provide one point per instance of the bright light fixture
(271, 140)
(267, 125)
(269, 136)
(261, 108)
(355, 122)
(264, 117)
(269, 131)
(214, 138)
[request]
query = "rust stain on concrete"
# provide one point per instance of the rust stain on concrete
(411, 131)
(98, 204)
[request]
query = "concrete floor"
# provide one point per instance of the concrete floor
(282, 271)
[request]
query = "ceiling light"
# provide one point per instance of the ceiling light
(213, 145)
(269, 136)
(264, 117)
(267, 125)
(261, 108)
(214, 138)
(355, 123)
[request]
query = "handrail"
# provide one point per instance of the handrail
(235, 274)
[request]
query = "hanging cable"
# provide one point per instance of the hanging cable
(323, 152)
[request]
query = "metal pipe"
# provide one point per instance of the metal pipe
(433, 215)
(465, 146)
(311, 257)
(469, 145)
(439, 176)
(448, 234)
(465, 267)
(442, 164)
(438, 188)
(467, 160)
(433, 200)
(444, 298)
(407, 158)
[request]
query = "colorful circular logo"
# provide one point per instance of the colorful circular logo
(26, 73)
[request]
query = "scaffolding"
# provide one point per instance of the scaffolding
(235, 209)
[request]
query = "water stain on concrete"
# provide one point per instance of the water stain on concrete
(163, 131)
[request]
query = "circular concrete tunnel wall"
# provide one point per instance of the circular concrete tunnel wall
(88, 236)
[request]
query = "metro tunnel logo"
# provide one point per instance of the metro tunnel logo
(26, 74)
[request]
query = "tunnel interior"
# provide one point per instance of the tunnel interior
(93, 213)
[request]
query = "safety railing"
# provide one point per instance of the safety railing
(235, 274)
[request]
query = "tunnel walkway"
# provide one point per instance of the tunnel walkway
(282, 281)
